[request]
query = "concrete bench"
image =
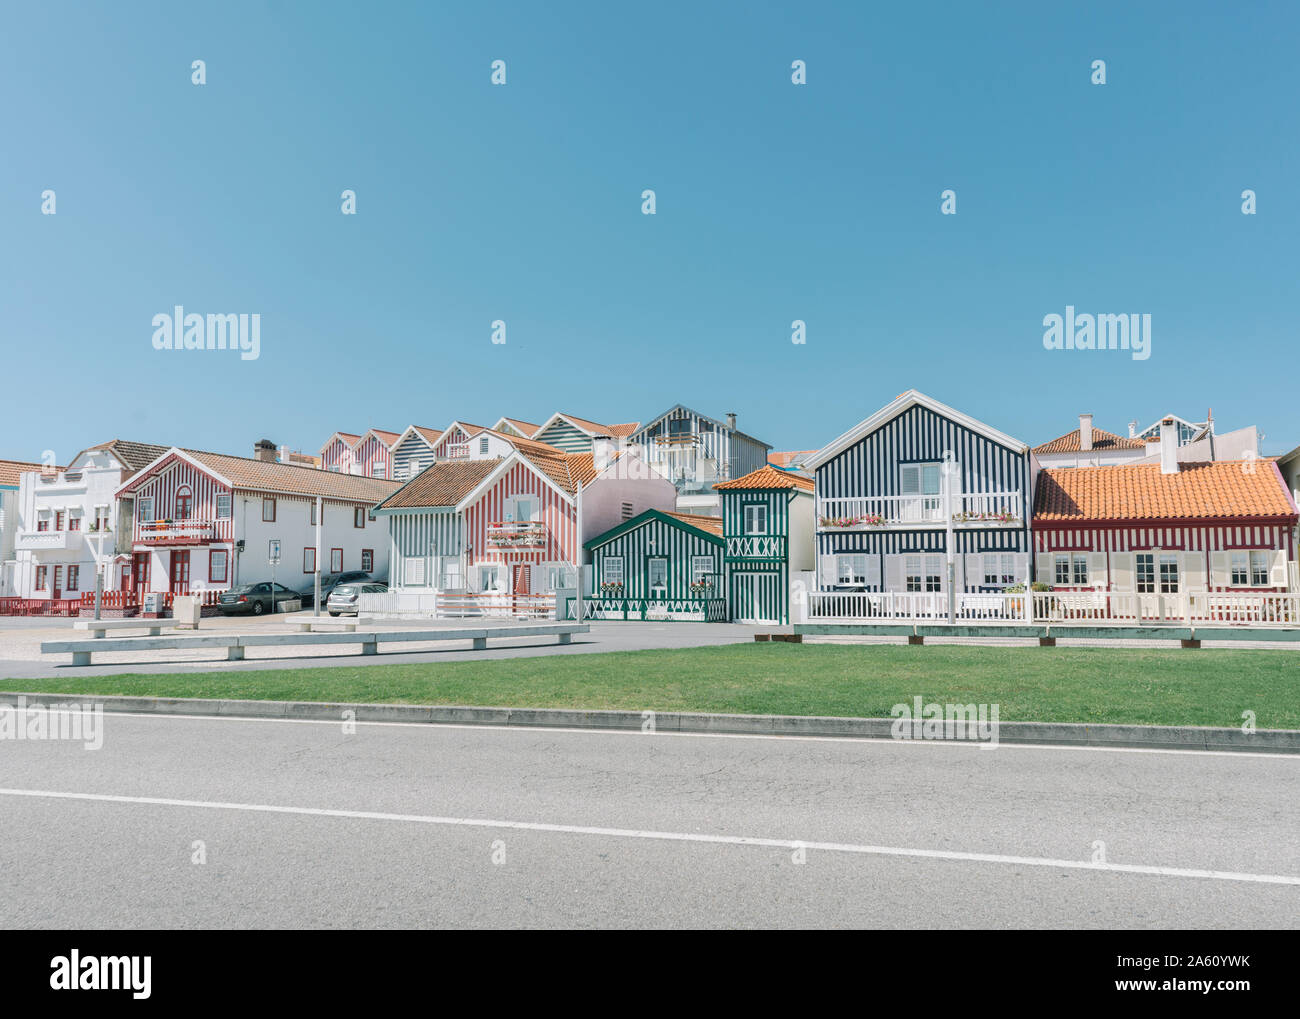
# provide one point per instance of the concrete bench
(99, 627)
(324, 624)
(235, 643)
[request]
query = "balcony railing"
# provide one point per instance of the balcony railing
(865, 513)
(756, 546)
(458, 451)
(520, 534)
(45, 541)
(177, 532)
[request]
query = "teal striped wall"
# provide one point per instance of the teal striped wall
(676, 544)
(566, 437)
(758, 589)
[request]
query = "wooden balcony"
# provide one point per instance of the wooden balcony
(884, 512)
(176, 532)
(523, 534)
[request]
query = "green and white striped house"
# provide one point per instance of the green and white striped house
(767, 526)
(657, 565)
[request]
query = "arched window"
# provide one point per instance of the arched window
(184, 502)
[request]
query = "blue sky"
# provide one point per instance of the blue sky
(522, 202)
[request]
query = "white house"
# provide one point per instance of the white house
(209, 521)
(66, 518)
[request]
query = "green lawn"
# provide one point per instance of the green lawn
(1160, 687)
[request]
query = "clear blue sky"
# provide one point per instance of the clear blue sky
(523, 203)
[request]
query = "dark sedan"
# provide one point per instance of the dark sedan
(254, 598)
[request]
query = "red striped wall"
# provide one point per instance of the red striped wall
(558, 512)
(168, 480)
(372, 452)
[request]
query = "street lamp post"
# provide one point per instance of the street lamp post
(950, 470)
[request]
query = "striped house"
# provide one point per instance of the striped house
(455, 443)
(337, 453)
(506, 528)
(372, 457)
(578, 435)
(1165, 528)
(697, 452)
(767, 526)
(659, 565)
(414, 451)
(895, 490)
(207, 521)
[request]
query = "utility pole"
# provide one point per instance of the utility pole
(315, 581)
(949, 469)
(577, 601)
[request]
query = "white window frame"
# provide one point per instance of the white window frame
(651, 562)
(222, 499)
(702, 568)
(611, 570)
(140, 504)
(757, 524)
(492, 578)
(851, 569)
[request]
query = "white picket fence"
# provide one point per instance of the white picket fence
(444, 605)
(1100, 607)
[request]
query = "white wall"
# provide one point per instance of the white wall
(803, 552)
(100, 477)
(295, 530)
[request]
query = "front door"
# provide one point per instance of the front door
(756, 598)
(521, 576)
(56, 592)
(126, 577)
(140, 572)
(180, 572)
(658, 577)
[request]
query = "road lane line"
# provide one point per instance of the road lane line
(664, 836)
(948, 744)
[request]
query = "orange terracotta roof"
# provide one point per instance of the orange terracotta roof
(12, 470)
(432, 434)
(768, 476)
(387, 437)
(783, 458)
(294, 479)
(613, 431)
(132, 455)
(527, 427)
(1237, 489)
(711, 525)
(443, 484)
(1101, 439)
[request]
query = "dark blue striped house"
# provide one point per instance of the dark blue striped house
(891, 491)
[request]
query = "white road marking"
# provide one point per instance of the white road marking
(949, 744)
(666, 836)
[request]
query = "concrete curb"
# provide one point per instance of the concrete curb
(1280, 741)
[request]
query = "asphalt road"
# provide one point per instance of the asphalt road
(303, 825)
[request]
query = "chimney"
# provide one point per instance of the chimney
(602, 448)
(731, 420)
(1085, 432)
(1132, 429)
(1168, 447)
(264, 450)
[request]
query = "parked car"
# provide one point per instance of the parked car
(328, 582)
(344, 600)
(254, 598)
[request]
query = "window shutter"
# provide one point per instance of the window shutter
(1097, 570)
(1220, 569)
(828, 574)
(1123, 568)
(911, 479)
(1043, 568)
(893, 573)
(958, 573)
(1022, 568)
(974, 569)
(1277, 569)
(1193, 567)
(873, 571)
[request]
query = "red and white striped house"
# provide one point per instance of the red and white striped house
(1165, 529)
(369, 455)
(506, 528)
(206, 521)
